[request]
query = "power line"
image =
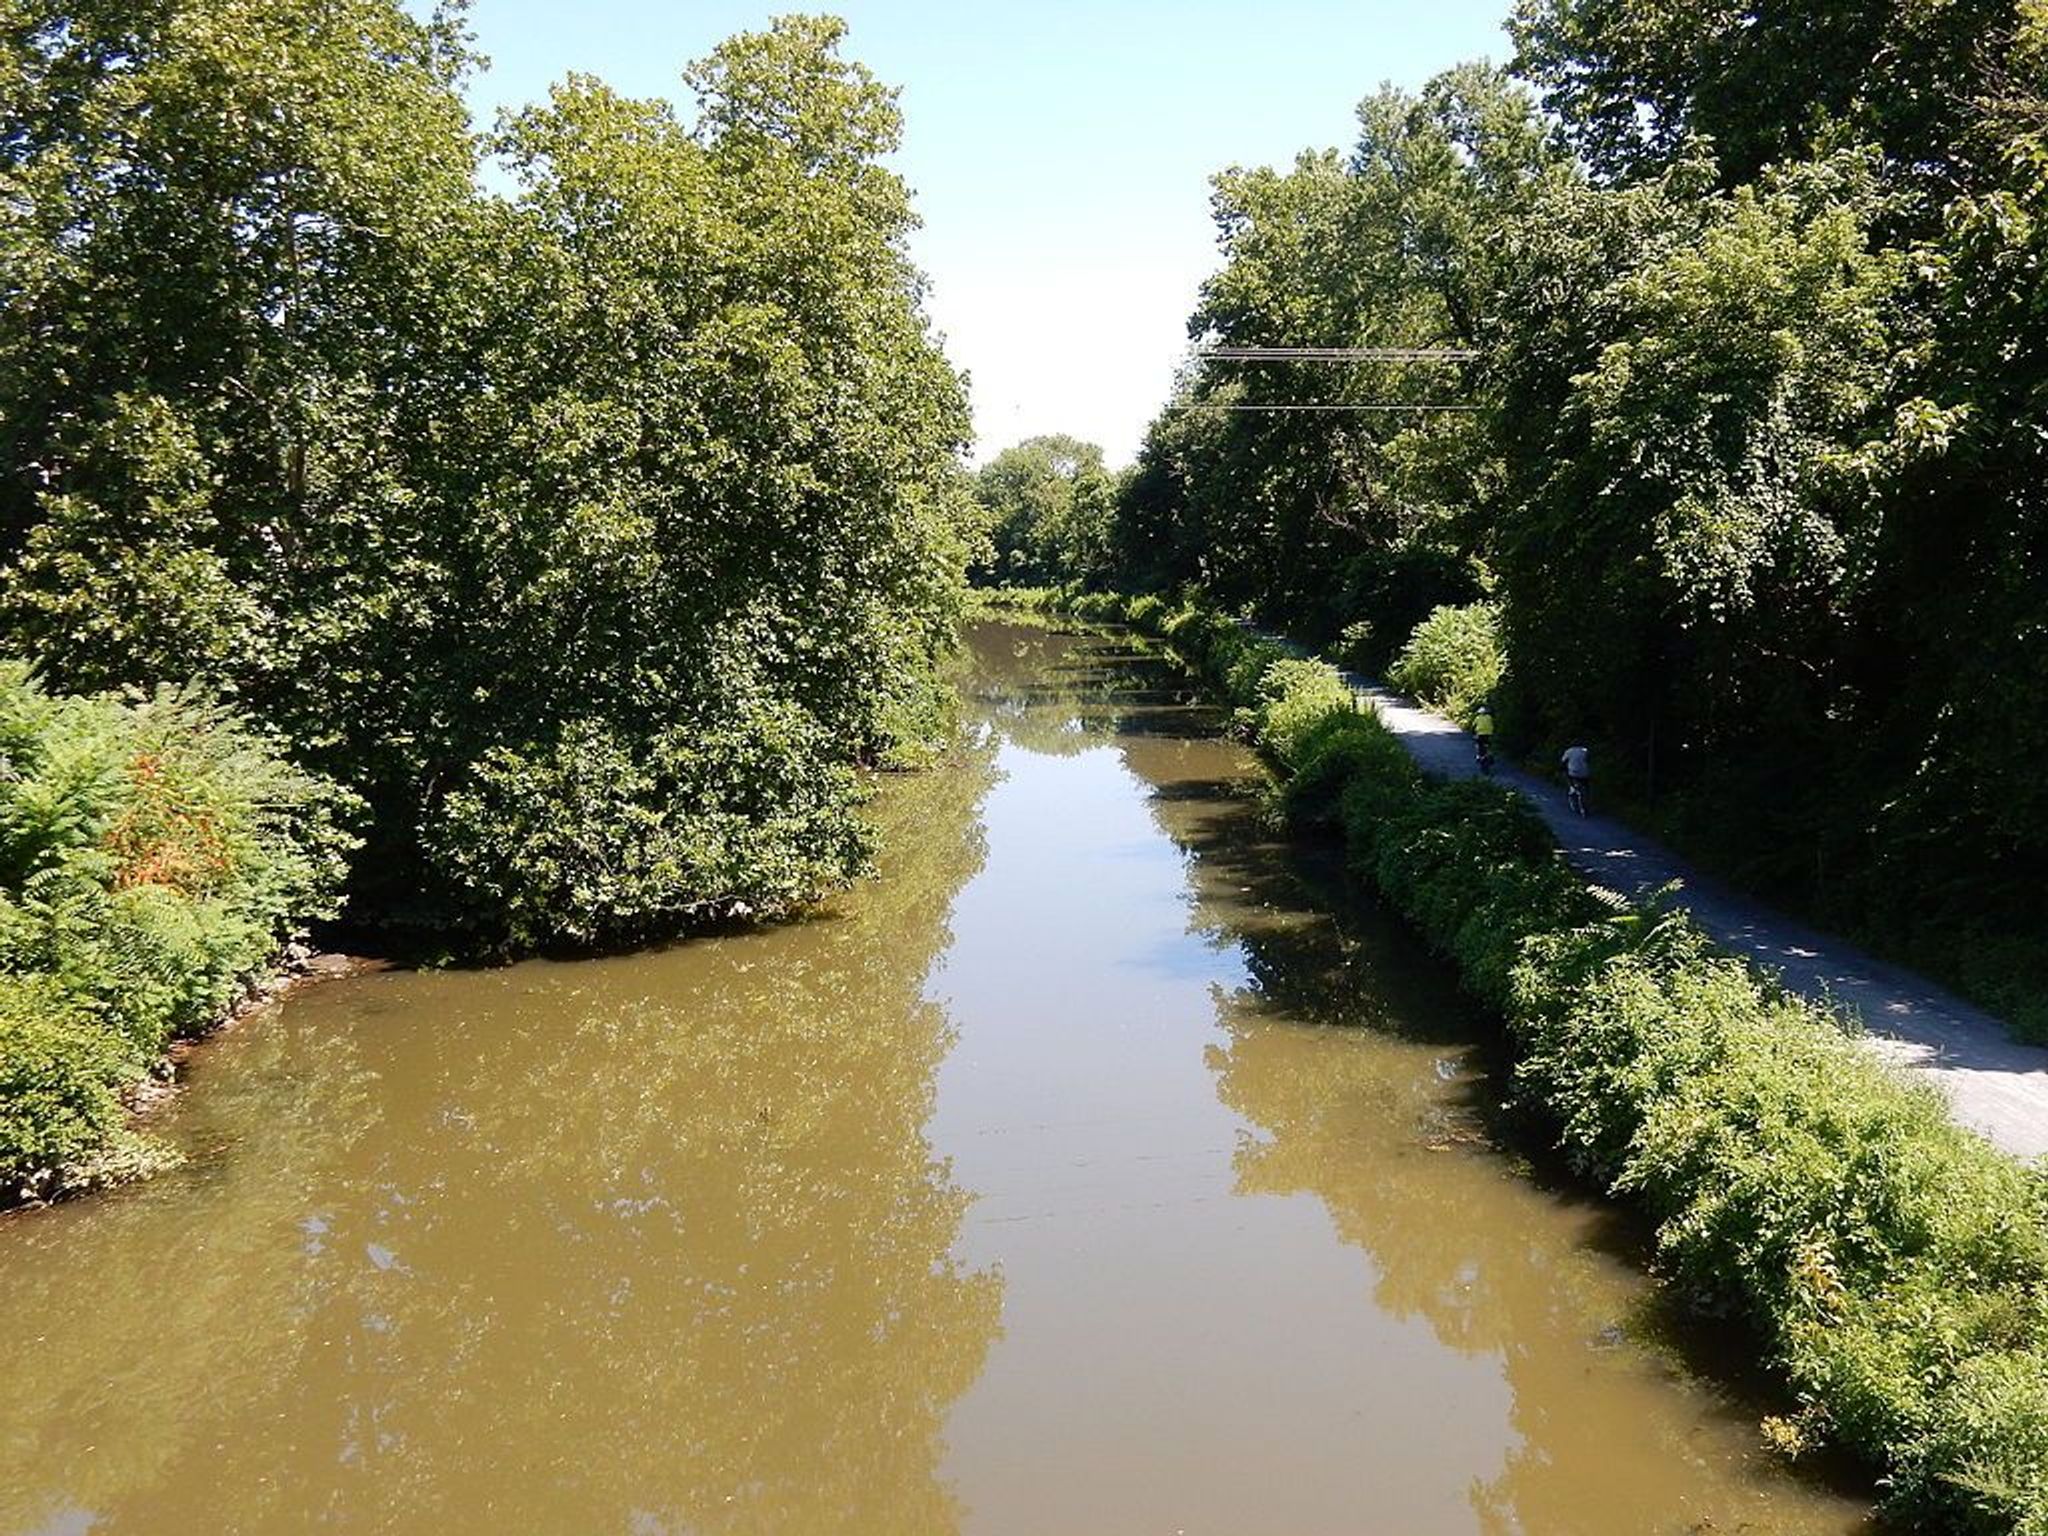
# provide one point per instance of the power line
(1196, 405)
(1338, 354)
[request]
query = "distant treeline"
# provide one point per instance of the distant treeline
(592, 534)
(1748, 483)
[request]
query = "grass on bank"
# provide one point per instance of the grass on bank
(1895, 1266)
(154, 854)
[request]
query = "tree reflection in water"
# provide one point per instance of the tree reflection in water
(664, 1243)
(1354, 1060)
(649, 1244)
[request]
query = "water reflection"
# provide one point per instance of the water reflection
(1057, 693)
(646, 1245)
(1075, 1176)
(1349, 1053)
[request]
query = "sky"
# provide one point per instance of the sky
(1059, 152)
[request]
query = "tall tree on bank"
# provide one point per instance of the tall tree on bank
(1046, 504)
(594, 536)
(1894, 703)
(1317, 517)
(235, 242)
(1752, 462)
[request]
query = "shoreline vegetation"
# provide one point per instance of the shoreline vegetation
(161, 862)
(522, 541)
(582, 496)
(1678, 383)
(535, 539)
(1894, 1265)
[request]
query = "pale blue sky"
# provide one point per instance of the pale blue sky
(1060, 153)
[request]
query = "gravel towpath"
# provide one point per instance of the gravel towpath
(1995, 1085)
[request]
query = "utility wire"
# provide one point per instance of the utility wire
(1338, 354)
(1194, 405)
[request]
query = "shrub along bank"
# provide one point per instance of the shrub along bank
(1453, 660)
(1895, 1266)
(584, 496)
(153, 857)
(1752, 302)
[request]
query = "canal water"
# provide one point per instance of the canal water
(1080, 1174)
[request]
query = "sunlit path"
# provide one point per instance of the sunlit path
(1997, 1085)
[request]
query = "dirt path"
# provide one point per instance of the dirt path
(1997, 1087)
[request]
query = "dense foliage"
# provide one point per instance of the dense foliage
(153, 855)
(594, 534)
(1894, 1265)
(1452, 661)
(1047, 505)
(1751, 456)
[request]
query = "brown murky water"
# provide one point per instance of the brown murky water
(1076, 1176)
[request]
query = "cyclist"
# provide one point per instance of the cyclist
(1482, 735)
(1577, 771)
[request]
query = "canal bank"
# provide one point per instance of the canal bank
(1895, 1265)
(1087, 1171)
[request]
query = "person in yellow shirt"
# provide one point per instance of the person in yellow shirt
(1482, 735)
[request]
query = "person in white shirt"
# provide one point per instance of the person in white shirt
(1578, 769)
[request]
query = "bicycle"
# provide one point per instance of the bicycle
(1575, 792)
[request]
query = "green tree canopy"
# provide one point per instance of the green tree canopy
(1046, 505)
(1633, 80)
(595, 534)
(1752, 456)
(1309, 516)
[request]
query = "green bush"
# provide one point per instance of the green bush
(61, 1071)
(1090, 605)
(1295, 698)
(1470, 863)
(1281, 699)
(1343, 753)
(1357, 647)
(591, 840)
(1244, 678)
(1452, 660)
(153, 855)
(998, 600)
(1212, 641)
(1987, 1441)
(1897, 1264)
(1146, 613)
